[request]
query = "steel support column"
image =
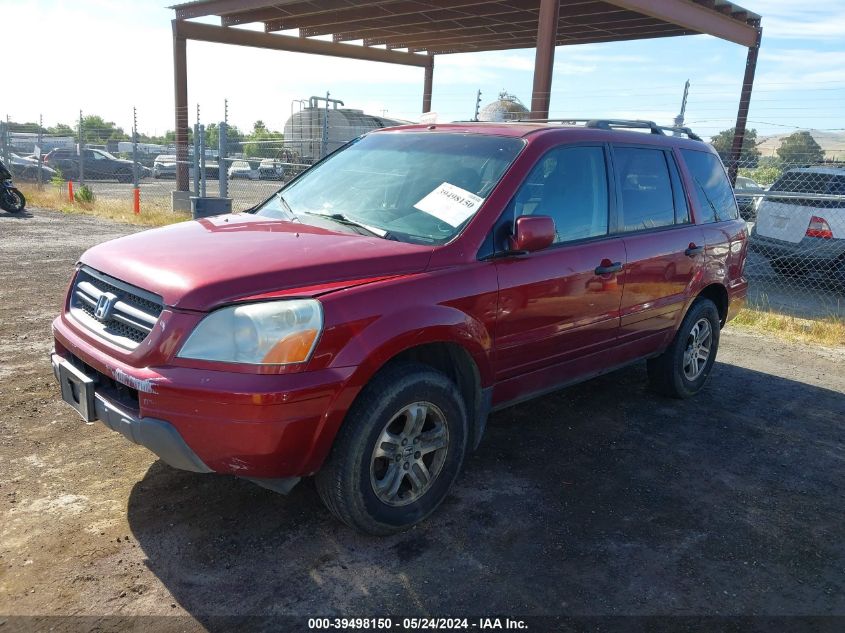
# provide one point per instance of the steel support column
(545, 58)
(744, 104)
(427, 85)
(180, 85)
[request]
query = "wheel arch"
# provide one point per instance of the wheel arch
(718, 294)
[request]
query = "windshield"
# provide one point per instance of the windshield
(416, 187)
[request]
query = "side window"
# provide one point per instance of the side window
(569, 184)
(712, 190)
(645, 188)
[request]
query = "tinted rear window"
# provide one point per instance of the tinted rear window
(645, 187)
(810, 183)
(713, 191)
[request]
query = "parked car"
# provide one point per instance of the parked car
(26, 168)
(804, 236)
(270, 169)
(164, 166)
(362, 323)
(243, 169)
(745, 190)
(97, 164)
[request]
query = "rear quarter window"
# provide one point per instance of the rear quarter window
(713, 191)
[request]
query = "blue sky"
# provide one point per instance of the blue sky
(99, 56)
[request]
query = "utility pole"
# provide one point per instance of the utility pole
(81, 152)
(477, 105)
(679, 120)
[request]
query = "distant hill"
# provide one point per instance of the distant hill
(833, 143)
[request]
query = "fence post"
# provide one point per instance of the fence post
(136, 191)
(81, 152)
(195, 161)
(223, 172)
(202, 161)
(40, 151)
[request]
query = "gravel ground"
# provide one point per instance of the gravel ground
(602, 499)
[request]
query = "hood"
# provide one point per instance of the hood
(201, 264)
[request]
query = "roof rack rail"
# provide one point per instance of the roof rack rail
(610, 124)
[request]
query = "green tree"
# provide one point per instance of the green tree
(262, 142)
(97, 130)
(60, 129)
(748, 157)
(800, 148)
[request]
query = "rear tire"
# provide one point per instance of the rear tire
(398, 452)
(683, 369)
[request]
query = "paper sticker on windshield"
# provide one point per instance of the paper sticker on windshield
(451, 204)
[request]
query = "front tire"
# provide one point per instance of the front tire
(12, 200)
(398, 452)
(683, 369)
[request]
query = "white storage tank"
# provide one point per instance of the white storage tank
(304, 129)
(506, 108)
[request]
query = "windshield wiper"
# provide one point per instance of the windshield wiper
(285, 204)
(346, 220)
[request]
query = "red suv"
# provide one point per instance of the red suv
(362, 323)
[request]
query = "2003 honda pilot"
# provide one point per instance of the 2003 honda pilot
(363, 322)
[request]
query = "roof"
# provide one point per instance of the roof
(521, 129)
(454, 26)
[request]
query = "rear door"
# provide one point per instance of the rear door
(558, 313)
(665, 250)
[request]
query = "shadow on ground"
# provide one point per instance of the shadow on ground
(601, 499)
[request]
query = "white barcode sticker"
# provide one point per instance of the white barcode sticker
(450, 204)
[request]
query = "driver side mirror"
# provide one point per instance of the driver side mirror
(532, 233)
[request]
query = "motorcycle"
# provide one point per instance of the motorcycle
(11, 199)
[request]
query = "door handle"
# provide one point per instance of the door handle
(609, 268)
(693, 250)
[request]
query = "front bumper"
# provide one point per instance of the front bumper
(157, 435)
(266, 426)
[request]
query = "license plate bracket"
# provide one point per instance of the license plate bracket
(77, 390)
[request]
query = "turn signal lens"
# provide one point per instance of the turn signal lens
(294, 348)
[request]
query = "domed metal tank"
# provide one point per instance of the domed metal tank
(304, 128)
(506, 108)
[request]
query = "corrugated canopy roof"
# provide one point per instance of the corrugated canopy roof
(457, 26)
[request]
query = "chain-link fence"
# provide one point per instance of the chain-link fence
(795, 209)
(794, 202)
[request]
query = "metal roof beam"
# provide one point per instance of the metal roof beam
(242, 37)
(297, 10)
(623, 19)
(495, 45)
(694, 17)
(526, 35)
(203, 8)
(390, 11)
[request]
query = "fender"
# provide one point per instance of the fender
(387, 336)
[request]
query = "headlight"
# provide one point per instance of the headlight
(269, 333)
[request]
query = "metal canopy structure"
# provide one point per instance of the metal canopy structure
(412, 32)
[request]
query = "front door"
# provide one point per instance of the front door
(558, 311)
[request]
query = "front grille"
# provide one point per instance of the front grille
(125, 316)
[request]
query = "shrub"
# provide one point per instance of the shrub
(84, 194)
(58, 179)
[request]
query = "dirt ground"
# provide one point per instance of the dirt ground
(602, 499)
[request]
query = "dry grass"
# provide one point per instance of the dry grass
(828, 331)
(152, 213)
